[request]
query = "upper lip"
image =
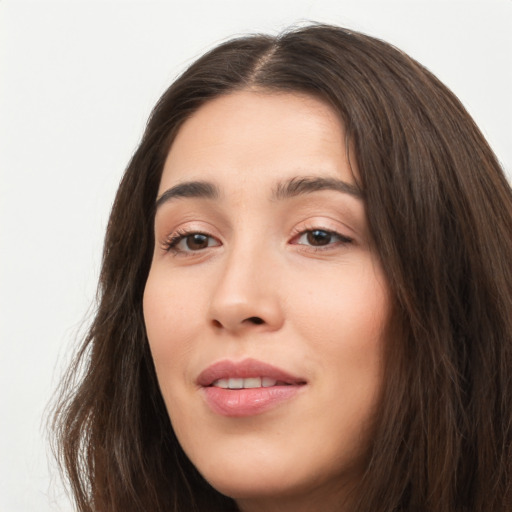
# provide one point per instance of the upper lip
(245, 369)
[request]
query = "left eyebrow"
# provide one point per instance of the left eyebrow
(306, 185)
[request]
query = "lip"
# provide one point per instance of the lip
(247, 402)
(245, 369)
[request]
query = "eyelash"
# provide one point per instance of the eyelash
(341, 239)
(171, 243)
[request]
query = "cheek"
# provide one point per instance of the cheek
(344, 322)
(348, 307)
(171, 316)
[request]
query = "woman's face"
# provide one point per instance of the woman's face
(265, 305)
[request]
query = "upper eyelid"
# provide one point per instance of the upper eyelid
(225, 231)
(325, 224)
(188, 228)
(330, 231)
(299, 228)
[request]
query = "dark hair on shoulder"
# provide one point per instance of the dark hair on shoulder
(440, 212)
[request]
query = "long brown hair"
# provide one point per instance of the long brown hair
(440, 212)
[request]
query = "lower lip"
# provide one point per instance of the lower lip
(247, 402)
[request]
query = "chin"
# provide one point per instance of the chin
(250, 474)
(276, 476)
(246, 490)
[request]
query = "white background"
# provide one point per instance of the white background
(77, 82)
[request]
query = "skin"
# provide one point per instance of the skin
(322, 308)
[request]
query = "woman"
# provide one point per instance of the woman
(305, 295)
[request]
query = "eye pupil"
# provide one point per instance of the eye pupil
(197, 241)
(319, 237)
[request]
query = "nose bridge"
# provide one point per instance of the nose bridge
(246, 293)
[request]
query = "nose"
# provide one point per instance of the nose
(247, 296)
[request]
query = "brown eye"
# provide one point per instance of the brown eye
(318, 237)
(190, 242)
(197, 241)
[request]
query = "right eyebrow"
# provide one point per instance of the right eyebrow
(201, 189)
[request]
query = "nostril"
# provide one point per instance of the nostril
(251, 320)
(256, 320)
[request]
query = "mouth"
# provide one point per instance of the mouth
(248, 383)
(247, 388)
(246, 374)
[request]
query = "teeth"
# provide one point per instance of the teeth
(254, 382)
(222, 383)
(236, 383)
(249, 383)
(266, 382)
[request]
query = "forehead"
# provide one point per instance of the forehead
(256, 138)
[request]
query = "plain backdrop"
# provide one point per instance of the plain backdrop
(77, 82)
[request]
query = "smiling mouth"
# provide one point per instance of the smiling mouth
(247, 388)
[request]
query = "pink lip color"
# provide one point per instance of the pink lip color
(246, 402)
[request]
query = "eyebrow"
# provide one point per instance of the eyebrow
(197, 189)
(306, 185)
(290, 188)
